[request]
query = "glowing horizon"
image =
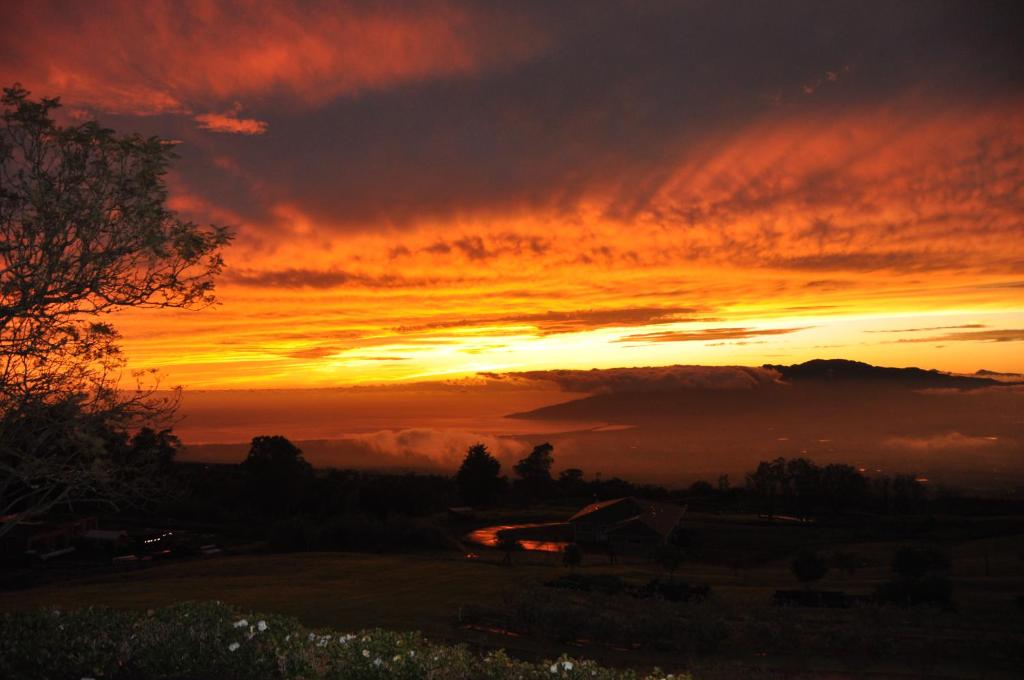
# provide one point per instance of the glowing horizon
(441, 189)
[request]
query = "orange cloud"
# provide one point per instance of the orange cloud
(452, 187)
(231, 122)
(179, 57)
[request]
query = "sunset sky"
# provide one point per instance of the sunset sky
(431, 190)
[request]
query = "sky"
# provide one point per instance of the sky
(428, 190)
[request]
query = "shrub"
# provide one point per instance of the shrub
(570, 614)
(212, 640)
(572, 555)
(808, 567)
(914, 563)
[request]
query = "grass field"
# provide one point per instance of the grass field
(425, 592)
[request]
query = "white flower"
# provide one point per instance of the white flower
(377, 661)
(554, 668)
(261, 625)
(312, 636)
(567, 665)
(241, 624)
(366, 653)
(233, 646)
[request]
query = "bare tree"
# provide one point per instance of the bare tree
(84, 232)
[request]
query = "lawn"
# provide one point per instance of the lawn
(342, 590)
(424, 592)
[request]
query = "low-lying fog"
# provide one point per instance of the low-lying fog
(668, 425)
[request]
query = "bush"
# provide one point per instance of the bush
(912, 563)
(212, 640)
(808, 567)
(570, 615)
(572, 555)
(932, 589)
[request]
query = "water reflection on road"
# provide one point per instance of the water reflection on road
(488, 536)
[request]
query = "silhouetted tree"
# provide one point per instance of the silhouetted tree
(907, 494)
(802, 482)
(84, 230)
(808, 567)
(534, 471)
(479, 477)
(670, 557)
(571, 481)
(701, 488)
(162, 446)
(572, 555)
(920, 578)
(768, 482)
(842, 487)
(912, 563)
(846, 562)
(508, 545)
(277, 474)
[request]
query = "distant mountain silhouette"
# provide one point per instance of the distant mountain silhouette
(844, 370)
(905, 419)
(822, 389)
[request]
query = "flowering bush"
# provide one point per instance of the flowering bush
(213, 640)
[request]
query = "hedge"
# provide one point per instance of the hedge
(213, 640)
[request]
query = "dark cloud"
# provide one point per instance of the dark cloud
(993, 335)
(572, 321)
(619, 95)
(708, 334)
(478, 247)
(312, 278)
(902, 260)
(930, 328)
(651, 379)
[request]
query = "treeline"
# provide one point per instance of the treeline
(277, 496)
(479, 481)
(800, 487)
(275, 481)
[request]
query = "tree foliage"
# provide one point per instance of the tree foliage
(808, 567)
(800, 486)
(84, 231)
(277, 474)
(479, 477)
(534, 471)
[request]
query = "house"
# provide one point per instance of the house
(626, 523)
(44, 538)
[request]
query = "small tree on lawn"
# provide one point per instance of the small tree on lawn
(670, 557)
(508, 545)
(808, 567)
(572, 555)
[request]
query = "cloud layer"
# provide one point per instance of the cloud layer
(464, 186)
(653, 379)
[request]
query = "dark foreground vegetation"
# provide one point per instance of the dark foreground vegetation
(799, 567)
(211, 640)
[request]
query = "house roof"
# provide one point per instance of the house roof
(594, 507)
(659, 517)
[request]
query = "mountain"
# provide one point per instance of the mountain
(843, 370)
(907, 419)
